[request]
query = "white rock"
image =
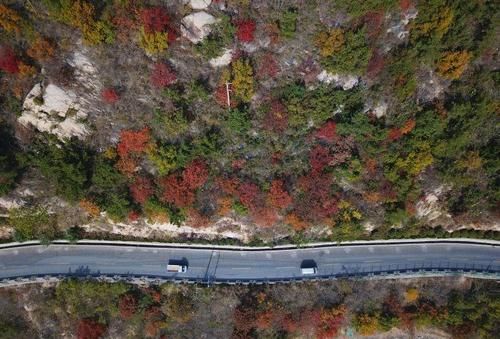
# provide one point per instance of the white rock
(199, 4)
(380, 109)
(223, 60)
(46, 117)
(196, 26)
(10, 203)
(345, 81)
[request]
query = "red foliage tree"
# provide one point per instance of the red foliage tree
(8, 60)
(110, 96)
(133, 216)
(195, 174)
(319, 158)
(245, 30)
(127, 306)
(154, 19)
(327, 132)
(133, 142)
(141, 189)
(316, 202)
(268, 67)
(278, 197)
(249, 195)
(162, 75)
(175, 191)
(90, 329)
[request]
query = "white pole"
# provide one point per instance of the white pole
(227, 93)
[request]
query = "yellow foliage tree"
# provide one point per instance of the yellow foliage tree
(9, 19)
(154, 42)
(330, 42)
(453, 64)
(243, 82)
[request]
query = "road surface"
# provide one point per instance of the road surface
(236, 265)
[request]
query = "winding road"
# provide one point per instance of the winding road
(250, 265)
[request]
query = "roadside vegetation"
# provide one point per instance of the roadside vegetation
(347, 119)
(89, 309)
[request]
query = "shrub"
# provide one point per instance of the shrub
(109, 95)
(162, 75)
(453, 64)
(245, 30)
(243, 82)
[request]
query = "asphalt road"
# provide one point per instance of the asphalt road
(210, 265)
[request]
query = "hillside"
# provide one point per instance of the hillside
(249, 120)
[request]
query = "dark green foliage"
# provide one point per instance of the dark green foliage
(238, 121)
(288, 23)
(68, 166)
(9, 166)
(475, 310)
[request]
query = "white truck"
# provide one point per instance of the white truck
(173, 268)
(309, 270)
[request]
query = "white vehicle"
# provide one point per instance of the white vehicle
(176, 268)
(309, 270)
